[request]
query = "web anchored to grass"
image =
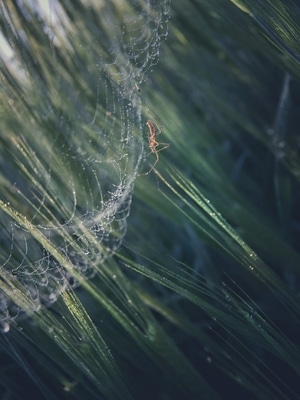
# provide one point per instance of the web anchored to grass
(71, 141)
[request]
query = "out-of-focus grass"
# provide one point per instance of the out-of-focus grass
(202, 299)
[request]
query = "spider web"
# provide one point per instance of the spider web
(71, 137)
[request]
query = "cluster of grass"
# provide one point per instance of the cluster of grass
(202, 299)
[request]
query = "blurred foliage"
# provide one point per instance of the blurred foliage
(202, 301)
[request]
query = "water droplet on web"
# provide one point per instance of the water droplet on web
(4, 327)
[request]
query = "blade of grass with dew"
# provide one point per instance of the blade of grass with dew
(238, 320)
(219, 231)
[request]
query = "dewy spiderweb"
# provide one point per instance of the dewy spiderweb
(71, 137)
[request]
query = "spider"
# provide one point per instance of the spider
(153, 144)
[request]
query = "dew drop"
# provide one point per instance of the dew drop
(4, 327)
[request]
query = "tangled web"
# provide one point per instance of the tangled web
(71, 138)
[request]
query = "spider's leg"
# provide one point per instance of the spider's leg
(166, 145)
